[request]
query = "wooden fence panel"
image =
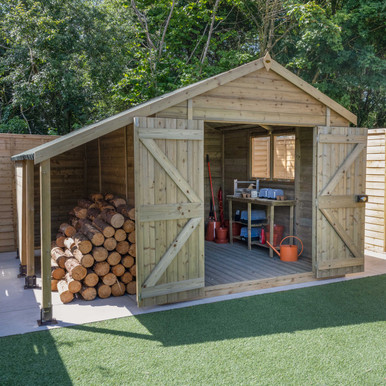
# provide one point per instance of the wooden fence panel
(11, 144)
(375, 189)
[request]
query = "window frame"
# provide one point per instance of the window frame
(271, 136)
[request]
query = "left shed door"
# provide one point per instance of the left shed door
(169, 201)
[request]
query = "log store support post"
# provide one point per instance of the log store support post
(30, 280)
(45, 236)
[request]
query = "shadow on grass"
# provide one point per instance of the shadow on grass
(31, 359)
(346, 303)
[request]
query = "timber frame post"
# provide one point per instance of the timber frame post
(45, 236)
(30, 279)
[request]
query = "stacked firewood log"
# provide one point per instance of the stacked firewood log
(94, 252)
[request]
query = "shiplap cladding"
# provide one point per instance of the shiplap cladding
(110, 164)
(260, 97)
(375, 189)
(212, 147)
(237, 159)
(68, 184)
(11, 144)
(303, 187)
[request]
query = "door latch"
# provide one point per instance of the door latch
(362, 198)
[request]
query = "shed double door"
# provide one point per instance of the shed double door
(169, 200)
(340, 172)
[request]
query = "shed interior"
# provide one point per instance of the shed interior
(106, 164)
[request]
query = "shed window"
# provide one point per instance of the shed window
(281, 158)
(261, 157)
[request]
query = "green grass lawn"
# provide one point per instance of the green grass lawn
(331, 334)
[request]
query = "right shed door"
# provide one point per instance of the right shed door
(340, 177)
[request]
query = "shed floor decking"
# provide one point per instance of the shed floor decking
(230, 263)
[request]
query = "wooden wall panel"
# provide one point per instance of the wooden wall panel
(114, 166)
(375, 189)
(237, 149)
(68, 184)
(12, 144)
(260, 97)
(303, 188)
(113, 162)
(212, 147)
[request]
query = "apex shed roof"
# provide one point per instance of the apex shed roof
(155, 105)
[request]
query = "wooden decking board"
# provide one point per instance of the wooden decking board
(234, 263)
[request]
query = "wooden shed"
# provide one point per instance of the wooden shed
(153, 154)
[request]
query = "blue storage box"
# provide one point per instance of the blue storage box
(258, 216)
(255, 233)
(273, 193)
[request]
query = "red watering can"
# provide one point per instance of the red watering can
(288, 252)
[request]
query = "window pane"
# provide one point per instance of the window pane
(260, 157)
(284, 160)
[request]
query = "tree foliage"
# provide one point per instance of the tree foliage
(65, 64)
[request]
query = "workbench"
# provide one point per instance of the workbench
(270, 208)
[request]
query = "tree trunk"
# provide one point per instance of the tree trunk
(109, 196)
(114, 258)
(122, 247)
(109, 279)
(113, 218)
(59, 257)
(117, 201)
(60, 237)
(106, 229)
(77, 271)
(127, 211)
(104, 291)
(131, 288)
(118, 289)
(133, 270)
(120, 235)
(54, 284)
(75, 223)
(104, 205)
(126, 277)
(69, 243)
(88, 293)
(93, 234)
(91, 279)
(80, 212)
(127, 261)
(93, 213)
(86, 260)
(118, 270)
(96, 197)
(74, 286)
(67, 229)
(133, 250)
(99, 254)
(56, 271)
(82, 243)
(128, 226)
(131, 237)
(66, 296)
(102, 268)
(110, 243)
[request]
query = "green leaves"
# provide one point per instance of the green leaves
(67, 64)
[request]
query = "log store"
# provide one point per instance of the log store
(257, 121)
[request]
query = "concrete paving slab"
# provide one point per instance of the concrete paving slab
(20, 308)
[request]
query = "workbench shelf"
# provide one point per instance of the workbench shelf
(270, 209)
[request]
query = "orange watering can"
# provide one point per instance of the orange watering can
(288, 252)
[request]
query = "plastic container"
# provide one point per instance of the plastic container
(221, 235)
(211, 230)
(277, 234)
